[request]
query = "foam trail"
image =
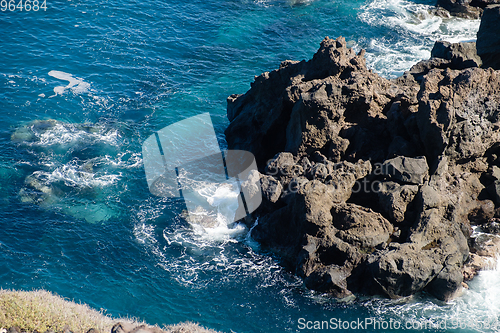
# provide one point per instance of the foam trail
(196, 254)
(77, 85)
(209, 242)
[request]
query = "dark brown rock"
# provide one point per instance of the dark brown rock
(380, 178)
(402, 269)
(488, 37)
(281, 165)
(461, 8)
(326, 263)
(447, 55)
(484, 212)
(447, 284)
(271, 188)
(486, 245)
(423, 67)
(461, 55)
(458, 111)
(297, 107)
(492, 226)
(406, 169)
(395, 198)
(360, 226)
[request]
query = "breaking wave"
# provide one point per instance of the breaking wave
(75, 169)
(477, 310)
(411, 30)
(46, 133)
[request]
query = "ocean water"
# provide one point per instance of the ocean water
(84, 83)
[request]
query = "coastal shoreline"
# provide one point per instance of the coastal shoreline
(425, 146)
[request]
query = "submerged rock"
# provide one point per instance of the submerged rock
(371, 184)
(72, 168)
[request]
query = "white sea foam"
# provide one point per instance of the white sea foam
(400, 13)
(392, 61)
(125, 160)
(74, 175)
(222, 199)
(73, 188)
(52, 133)
(196, 250)
(477, 310)
(144, 233)
(414, 32)
(77, 168)
(228, 259)
(212, 208)
(77, 85)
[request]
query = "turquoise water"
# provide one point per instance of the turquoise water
(84, 83)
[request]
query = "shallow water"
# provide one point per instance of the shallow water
(84, 84)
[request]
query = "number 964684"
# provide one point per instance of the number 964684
(26, 5)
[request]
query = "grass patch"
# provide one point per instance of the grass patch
(187, 328)
(41, 310)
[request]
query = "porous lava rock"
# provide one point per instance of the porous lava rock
(371, 185)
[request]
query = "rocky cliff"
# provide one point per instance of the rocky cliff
(371, 185)
(463, 8)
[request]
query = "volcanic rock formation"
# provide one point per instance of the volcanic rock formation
(371, 185)
(472, 9)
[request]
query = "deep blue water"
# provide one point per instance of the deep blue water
(84, 83)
